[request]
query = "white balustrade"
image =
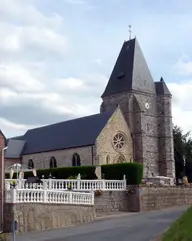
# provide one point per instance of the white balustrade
(75, 184)
(48, 196)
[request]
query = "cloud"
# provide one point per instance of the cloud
(18, 127)
(16, 39)
(184, 66)
(76, 2)
(98, 61)
(28, 38)
(14, 76)
(182, 99)
(181, 91)
(54, 61)
(27, 14)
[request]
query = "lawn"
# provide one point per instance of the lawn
(5, 237)
(181, 230)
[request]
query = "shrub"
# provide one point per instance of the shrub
(87, 172)
(98, 193)
(133, 172)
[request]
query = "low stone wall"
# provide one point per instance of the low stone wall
(111, 201)
(36, 217)
(153, 198)
(137, 199)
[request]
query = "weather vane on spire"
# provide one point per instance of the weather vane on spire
(130, 32)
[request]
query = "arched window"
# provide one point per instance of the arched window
(120, 159)
(76, 160)
(53, 162)
(30, 164)
(107, 159)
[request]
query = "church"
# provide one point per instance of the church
(134, 125)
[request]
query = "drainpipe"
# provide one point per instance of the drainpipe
(2, 186)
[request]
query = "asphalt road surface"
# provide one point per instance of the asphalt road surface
(124, 227)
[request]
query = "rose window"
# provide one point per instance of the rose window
(119, 141)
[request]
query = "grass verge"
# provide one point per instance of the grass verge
(181, 230)
(5, 237)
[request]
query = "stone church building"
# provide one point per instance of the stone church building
(134, 124)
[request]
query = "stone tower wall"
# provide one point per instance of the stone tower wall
(165, 129)
(146, 133)
(143, 125)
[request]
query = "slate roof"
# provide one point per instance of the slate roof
(130, 71)
(64, 135)
(161, 88)
(15, 148)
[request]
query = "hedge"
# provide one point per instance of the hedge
(87, 172)
(132, 170)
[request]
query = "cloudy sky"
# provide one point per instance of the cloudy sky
(56, 56)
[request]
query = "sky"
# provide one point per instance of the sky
(56, 56)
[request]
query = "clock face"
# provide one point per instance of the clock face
(147, 105)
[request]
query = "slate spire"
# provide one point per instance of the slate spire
(130, 71)
(161, 88)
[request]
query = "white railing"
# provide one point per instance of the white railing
(49, 196)
(76, 184)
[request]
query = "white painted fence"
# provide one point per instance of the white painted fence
(76, 184)
(48, 196)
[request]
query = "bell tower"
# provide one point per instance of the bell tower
(131, 86)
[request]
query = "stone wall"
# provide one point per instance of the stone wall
(151, 128)
(153, 198)
(63, 157)
(142, 123)
(111, 202)
(104, 142)
(166, 143)
(138, 199)
(36, 217)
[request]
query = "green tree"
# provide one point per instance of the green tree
(183, 153)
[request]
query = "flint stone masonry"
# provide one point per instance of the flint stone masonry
(116, 201)
(151, 129)
(111, 202)
(137, 199)
(153, 198)
(36, 217)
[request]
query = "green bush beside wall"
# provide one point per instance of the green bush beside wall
(132, 170)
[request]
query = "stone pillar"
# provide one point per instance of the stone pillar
(98, 172)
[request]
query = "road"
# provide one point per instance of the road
(124, 227)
